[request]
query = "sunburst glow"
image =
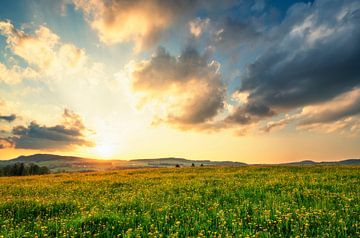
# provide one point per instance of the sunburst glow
(260, 82)
(105, 150)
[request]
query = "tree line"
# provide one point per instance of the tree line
(21, 169)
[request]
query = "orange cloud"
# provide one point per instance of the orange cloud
(140, 21)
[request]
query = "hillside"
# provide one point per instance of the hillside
(164, 162)
(71, 163)
(36, 158)
(68, 163)
(310, 162)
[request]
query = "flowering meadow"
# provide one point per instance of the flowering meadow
(249, 201)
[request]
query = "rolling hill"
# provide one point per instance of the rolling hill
(72, 163)
(310, 162)
(58, 163)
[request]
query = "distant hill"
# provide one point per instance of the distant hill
(45, 157)
(71, 163)
(310, 162)
(67, 163)
(164, 162)
(304, 162)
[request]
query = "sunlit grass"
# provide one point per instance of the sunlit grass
(194, 202)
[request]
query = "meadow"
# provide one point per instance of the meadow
(318, 201)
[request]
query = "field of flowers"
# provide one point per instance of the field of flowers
(184, 202)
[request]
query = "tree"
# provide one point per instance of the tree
(34, 169)
(21, 169)
(44, 170)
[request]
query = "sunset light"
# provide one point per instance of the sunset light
(104, 150)
(179, 118)
(119, 80)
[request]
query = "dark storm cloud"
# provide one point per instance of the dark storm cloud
(229, 35)
(164, 69)
(343, 106)
(9, 118)
(195, 77)
(250, 113)
(330, 116)
(34, 136)
(232, 33)
(316, 57)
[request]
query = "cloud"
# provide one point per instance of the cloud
(9, 118)
(250, 113)
(338, 114)
(276, 125)
(15, 74)
(349, 126)
(342, 106)
(314, 59)
(69, 134)
(42, 51)
(139, 21)
(198, 26)
(36, 49)
(184, 90)
(37, 57)
(6, 143)
(232, 33)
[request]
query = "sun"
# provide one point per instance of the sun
(105, 150)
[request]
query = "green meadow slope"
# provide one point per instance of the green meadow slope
(59, 163)
(311, 201)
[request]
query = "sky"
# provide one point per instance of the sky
(253, 81)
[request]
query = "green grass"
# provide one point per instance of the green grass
(185, 202)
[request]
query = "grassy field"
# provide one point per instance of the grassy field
(185, 202)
